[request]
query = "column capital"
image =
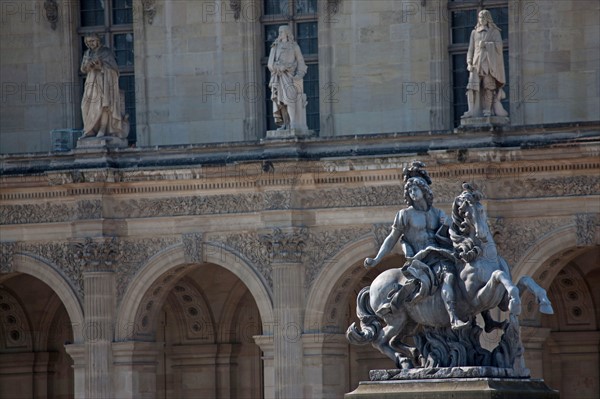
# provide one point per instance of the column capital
(100, 254)
(285, 245)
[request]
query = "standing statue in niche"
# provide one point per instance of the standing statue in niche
(423, 315)
(102, 106)
(287, 68)
(485, 63)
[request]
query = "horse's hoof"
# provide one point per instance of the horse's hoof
(546, 308)
(458, 324)
(514, 307)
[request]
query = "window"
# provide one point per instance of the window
(112, 20)
(463, 18)
(301, 16)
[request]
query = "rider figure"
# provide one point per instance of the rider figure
(423, 232)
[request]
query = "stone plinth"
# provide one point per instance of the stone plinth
(483, 122)
(464, 388)
(101, 142)
(289, 133)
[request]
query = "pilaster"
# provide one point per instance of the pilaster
(134, 369)
(97, 259)
(266, 344)
(323, 355)
(77, 353)
(285, 250)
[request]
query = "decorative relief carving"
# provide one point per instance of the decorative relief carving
(51, 9)
(381, 231)
(515, 236)
(551, 187)
(198, 205)
(7, 250)
(285, 246)
(570, 286)
(236, 7)
(587, 225)
(192, 246)
(49, 213)
(277, 200)
(323, 246)
(62, 257)
(99, 254)
(353, 197)
(134, 254)
(247, 245)
(149, 7)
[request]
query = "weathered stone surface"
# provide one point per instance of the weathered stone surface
(442, 372)
(475, 388)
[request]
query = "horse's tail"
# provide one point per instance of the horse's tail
(370, 326)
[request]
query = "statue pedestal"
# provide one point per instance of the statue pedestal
(289, 133)
(464, 388)
(101, 142)
(483, 122)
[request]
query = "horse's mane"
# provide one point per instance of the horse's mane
(462, 230)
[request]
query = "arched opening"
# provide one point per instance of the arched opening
(204, 333)
(34, 328)
(571, 353)
(332, 308)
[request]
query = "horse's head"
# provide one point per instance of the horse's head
(469, 214)
(469, 227)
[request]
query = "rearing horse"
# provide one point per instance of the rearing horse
(485, 283)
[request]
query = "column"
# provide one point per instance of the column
(135, 369)
(326, 365)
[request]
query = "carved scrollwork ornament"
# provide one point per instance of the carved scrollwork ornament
(149, 7)
(285, 246)
(192, 245)
(7, 251)
(51, 9)
(101, 255)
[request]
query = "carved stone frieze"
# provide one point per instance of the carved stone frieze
(197, 205)
(515, 236)
(46, 212)
(7, 250)
(322, 247)
(192, 246)
(353, 197)
(587, 228)
(277, 200)
(550, 187)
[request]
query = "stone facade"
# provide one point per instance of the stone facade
(210, 262)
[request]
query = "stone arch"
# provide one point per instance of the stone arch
(41, 270)
(172, 263)
(332, 280)
(542, 258)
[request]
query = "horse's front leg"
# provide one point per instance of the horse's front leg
(538, 292)
(489, 296)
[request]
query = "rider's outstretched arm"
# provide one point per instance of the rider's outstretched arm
(387, 246)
